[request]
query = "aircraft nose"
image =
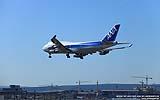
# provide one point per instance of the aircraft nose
(44, 48)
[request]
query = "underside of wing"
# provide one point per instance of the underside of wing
(84, 52)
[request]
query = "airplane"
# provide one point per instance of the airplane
(81, 49)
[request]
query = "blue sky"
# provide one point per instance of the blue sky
(26, 25)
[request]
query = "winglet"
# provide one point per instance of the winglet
(130, 45)
(53, 38)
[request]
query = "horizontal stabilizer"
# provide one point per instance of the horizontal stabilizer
(110, 49)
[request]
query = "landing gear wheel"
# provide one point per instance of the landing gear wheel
(50, 56)
(81, 57)
(68, 55)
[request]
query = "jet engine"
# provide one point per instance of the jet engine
(78, 56)
(104, 52)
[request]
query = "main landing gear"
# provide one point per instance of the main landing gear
(49, 56)
(81, 57)
(68, 56)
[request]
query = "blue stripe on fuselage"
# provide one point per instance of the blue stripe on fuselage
(85, 45)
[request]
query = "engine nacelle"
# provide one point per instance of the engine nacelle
(104, 52)
(76, 56)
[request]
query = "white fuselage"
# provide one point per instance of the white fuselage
(79, 47)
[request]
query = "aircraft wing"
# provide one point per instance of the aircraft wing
(119, 43)
(59, 45)
(110, 49)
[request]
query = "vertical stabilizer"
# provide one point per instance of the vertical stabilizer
(111, 36)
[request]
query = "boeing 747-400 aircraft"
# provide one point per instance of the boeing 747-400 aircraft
(81, 49)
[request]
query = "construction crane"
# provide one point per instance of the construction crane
(142, 84)
(145, 77)
(97, 88)
(79, 83)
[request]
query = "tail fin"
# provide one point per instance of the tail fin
(111, 36)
